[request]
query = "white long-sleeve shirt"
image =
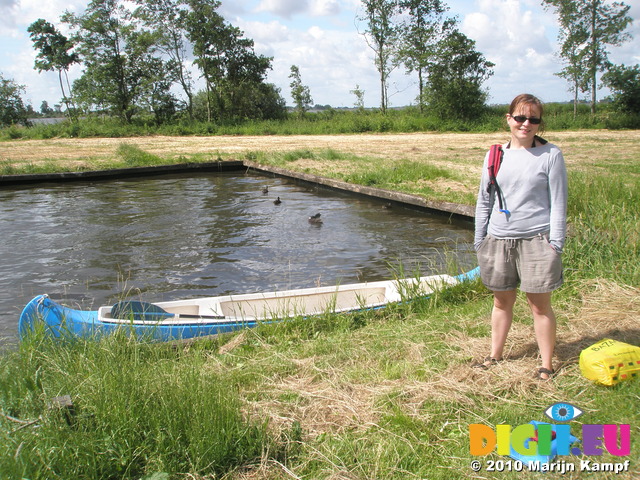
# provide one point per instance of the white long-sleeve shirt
(533, 182)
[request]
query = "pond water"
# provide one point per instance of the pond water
(185, 236)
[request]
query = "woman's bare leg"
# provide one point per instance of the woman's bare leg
(501, 319)
(544, 324)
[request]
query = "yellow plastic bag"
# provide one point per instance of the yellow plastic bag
(610, 361)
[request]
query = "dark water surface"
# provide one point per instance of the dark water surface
(167, 238)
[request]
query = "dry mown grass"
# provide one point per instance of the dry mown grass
(329, 398)
(461, 152)
(409, 146)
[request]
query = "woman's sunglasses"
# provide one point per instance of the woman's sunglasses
(522, 119)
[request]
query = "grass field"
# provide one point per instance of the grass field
(373, 396)
(455, 158)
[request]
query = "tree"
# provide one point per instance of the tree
(424, 27)
(54, 54)
(571, 53)
(300, 93)
(574, 68)
(456, 78)
(203, 24)
(598, 24)
(120, 61)
(155, 91)
(167, 18)
(45, 109)
(229, 65)
(243, 74)
(266, 102)
(381, 35)
(624, 82)
(359, 93)
(12, 109)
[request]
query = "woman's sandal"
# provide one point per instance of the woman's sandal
(545, 371)
(487, 363)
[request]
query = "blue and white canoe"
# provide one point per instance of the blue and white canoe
(183, 319)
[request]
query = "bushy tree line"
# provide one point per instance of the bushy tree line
(418, 35)
(134, 59)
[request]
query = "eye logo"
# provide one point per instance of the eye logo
(563, 412)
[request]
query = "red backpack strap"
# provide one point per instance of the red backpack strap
(495, 160)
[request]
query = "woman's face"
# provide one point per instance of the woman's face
(522, 132)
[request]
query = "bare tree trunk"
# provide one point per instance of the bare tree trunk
(594, 47)
(420, 89)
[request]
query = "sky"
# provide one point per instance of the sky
(323, 38)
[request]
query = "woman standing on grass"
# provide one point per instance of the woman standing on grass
(519, 236)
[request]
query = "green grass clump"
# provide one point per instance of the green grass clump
(134, 156)
(139, 409)
(400, 173)
(604, 230)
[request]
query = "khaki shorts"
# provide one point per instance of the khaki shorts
(531, 263)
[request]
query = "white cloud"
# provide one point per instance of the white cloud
(17, 15)
(477, 25)
(504, 29)
(232, 8)
(324, 8)
(31, 10)
(266, 35)
(331, 62)
(518, 42)
(9, 12)
(283, 8)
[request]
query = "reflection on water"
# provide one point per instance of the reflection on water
(183, 236)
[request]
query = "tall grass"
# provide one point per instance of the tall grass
(139, 409)
(604, 224)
